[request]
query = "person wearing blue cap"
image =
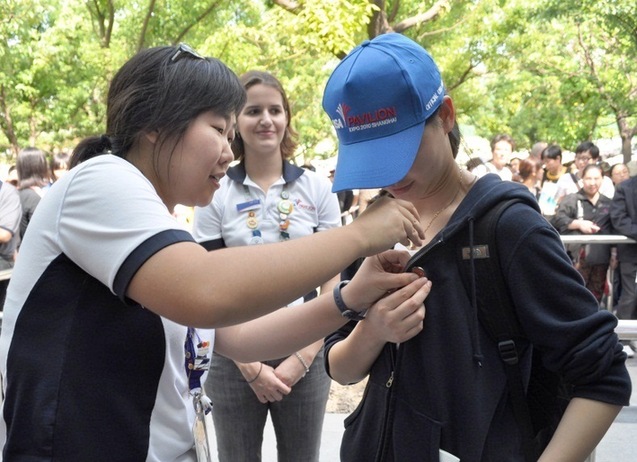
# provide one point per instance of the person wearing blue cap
(442, 393)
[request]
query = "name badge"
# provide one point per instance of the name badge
(479, 251)
(250, 205)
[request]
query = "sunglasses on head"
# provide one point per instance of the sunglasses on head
(184, 50)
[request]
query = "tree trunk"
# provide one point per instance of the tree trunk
(626, 133)
(7, 123)
(378, 23)
(627, 149)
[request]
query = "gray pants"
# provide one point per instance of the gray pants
(240, 418)
(628, 299)
(4, 265)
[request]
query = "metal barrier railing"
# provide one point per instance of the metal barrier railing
(626, 329)
(596, 239)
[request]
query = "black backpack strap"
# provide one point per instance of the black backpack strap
(484, 281)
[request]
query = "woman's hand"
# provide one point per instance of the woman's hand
(377, 276)
(399, 316)
(395, 318)
(388, 221)
(267, 386)
(290, 371)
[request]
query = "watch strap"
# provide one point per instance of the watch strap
(342, 307)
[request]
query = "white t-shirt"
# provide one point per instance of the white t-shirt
(89, 374)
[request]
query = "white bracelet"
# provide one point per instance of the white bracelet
(300, 358)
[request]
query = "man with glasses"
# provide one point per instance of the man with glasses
(585, 153)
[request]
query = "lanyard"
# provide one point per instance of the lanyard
(197, 361)
(197, 358)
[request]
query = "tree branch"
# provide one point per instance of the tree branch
(593, 70)
(111, 21)
(142, 34)
(394, 11)
(288, 5)
(463, 78)
(443, 30)
(429, 15)
(378, 23)
(103, 31)
(197, 20)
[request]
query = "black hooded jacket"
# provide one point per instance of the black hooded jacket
(446, 387)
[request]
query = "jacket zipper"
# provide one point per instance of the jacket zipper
(394, 356)
(393, 353)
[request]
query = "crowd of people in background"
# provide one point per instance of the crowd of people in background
(579, 197)
(24, 185)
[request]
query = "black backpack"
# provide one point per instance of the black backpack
(539, 410)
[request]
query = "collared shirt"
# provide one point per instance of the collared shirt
(223, 224)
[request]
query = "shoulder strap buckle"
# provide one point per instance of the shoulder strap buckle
(508, 352)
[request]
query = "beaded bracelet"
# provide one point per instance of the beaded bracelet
(305, 365)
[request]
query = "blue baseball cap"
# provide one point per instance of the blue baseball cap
(378, 99)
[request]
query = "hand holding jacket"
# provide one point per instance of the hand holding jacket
(395, 318)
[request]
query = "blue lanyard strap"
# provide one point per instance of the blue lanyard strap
(197, 358)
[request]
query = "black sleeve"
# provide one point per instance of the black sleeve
(333, 339)
(215, 244)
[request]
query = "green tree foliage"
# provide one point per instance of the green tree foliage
(52, 78)
(605, 33)
(554, 70)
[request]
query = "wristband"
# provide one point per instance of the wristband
(342, 307)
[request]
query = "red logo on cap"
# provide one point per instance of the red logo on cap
(342, 110)
(381, 116)
(378, 115)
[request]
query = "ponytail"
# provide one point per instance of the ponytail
(90, 147)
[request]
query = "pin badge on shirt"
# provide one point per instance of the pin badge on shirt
(249, 205)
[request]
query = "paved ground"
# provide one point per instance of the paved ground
(619, 444)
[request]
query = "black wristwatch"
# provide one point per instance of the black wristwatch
(342, 307)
